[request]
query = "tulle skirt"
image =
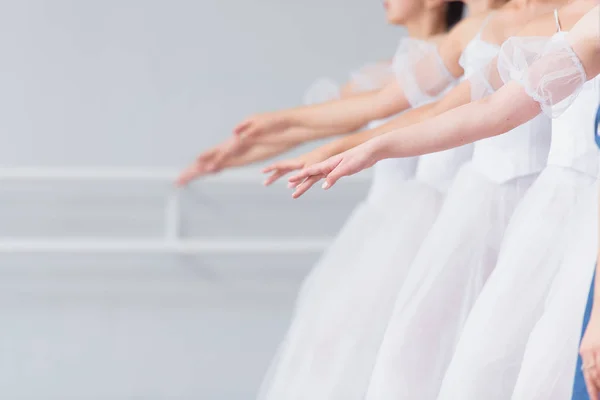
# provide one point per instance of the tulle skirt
(347, 245)
(330, 348)
(490, 350)
(444, 280)
(550, 359)
(388, 181)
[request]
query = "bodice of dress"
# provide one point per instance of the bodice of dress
(438, 169)
(424, 78)
(391, 171)
(520, 152)
(551, 74)
(573, 143)
(477, 54)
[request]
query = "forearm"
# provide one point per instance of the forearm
(256, 154)
(455, 98)
(350, 114)
(505, 110)
(407, 119)
(292, 137)
(350, 141)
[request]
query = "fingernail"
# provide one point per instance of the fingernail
(325, 185)
(291, 185)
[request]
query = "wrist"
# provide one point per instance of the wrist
(381, 148)
(292, 118)
(332, 149)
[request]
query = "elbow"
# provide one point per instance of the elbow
(347, 91)
(387, 105)
(503, 115)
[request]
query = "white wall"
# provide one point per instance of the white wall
(150, 83)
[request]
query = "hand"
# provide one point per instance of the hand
(284, 167)
(345, 164)
(263, 124)
(209, 162)
(229, 155)
(590, 355)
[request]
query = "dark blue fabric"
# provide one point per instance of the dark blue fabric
(579, 390)
(597, 132)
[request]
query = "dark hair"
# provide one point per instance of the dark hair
(454, 13)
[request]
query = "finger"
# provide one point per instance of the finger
(218, 160)
(322, 168)
(223, 154)
(243, 126)
(589, 382)
(293, 185)
(307, 184)
(207, 155)
(275, 176)
(591, 368)
(287, 164)
(339, 171)
(594, 381)
(596, 372)
(270, 168)
(251, 130)
(298, 178)
(189, 174)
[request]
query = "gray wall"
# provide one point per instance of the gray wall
(149, 83)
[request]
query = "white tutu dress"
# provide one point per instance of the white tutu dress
(457, 256)
(550, 358)
(551, 354)
(332, 342)
(368, 214)
(489, 354)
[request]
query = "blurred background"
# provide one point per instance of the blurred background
(101, 102)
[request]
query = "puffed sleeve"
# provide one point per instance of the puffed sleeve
(371, 77)
(421, 72)
(547, 68)
(321, 91)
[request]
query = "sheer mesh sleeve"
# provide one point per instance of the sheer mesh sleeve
(547, 68)
(420, 71)
(485, 80)
(371, 77)
(321, 91)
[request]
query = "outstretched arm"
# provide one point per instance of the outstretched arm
(327, 119)
(506, 109)
(286, 129)
(460, 95)
(456, 97)
(422, 70)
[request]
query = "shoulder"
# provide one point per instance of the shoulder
(568, 16)
(587, 27)
(466, 30)
(459, 37)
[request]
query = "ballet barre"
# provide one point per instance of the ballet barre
(171, 242)
(158, 246)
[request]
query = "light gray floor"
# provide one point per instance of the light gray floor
(87, 327)
(118, 332)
